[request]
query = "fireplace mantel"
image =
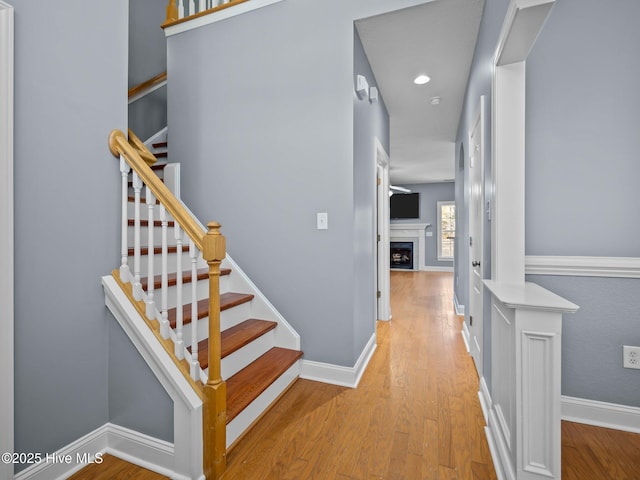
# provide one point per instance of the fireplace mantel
(413, 231)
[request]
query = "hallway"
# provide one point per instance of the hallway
(415, 414)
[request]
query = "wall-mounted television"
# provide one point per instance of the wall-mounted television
(405, 205)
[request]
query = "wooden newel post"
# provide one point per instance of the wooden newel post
(215, 391)
(172, 11)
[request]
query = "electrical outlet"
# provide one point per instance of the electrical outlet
(631, 357)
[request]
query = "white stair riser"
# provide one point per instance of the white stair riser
(202, 292)
(228, 319)
(157, 236)
(250, 414)
(239, 359)
(171, 262)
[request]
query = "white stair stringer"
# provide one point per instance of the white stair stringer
(187, 406)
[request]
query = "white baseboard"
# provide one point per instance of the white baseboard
(459, 308)
(336, 374)
(134, 447)
(485, 400)
(431, 268)
(466, 336)
(601, 414)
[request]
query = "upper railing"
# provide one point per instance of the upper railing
(145, 88)
(203, 246)
(179, 11)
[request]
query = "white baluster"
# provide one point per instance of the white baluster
(180, 9)
(164, 315)
(124, 248)
(202, 6)
(137, 286)
(179, 351)
(151, 307)
(192, 7)
(195, 364)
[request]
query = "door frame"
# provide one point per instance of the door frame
(383, 280)
(6, 235)
(478, 329)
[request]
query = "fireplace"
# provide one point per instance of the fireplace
(402, 255)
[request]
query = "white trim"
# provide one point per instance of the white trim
(616, 267)
(439, 205)
(485, 399)
(466, 336)
(336, 374)
(142, 450)
(218, 16)
(458, 307)
(160, 136)
(382, 248)
(6, 235)
(431, 268)
(601, 414)
(187, 406)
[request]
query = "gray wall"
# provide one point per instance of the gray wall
(369, 120)
(581, 170)
(147, 58)
(70, 84)
(582, 174)
(430, 195)
(70, 92)
(266, 134)
(137, 400)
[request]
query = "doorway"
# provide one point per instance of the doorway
(382, 234)
(476, 235)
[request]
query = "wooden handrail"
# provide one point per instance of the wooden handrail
(147, 86)
(142, 149)
(119, 145)
(172, 12)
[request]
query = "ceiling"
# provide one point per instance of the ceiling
(436, 38)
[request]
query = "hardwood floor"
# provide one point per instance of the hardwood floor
(112, 468)
(414, 416)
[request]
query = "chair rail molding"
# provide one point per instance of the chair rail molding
(6, 235)
(576, 266)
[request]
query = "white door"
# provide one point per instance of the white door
(382, 233)
(476, 208)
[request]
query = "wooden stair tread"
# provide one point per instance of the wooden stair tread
(172, 278)
(158, 250)
(143, 200)
(145, 223)
(246, 385)
(158, 166)
(234, 338)
(227, 300)
(159, 145)
(160, 154)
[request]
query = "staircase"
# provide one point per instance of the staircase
(258, 350)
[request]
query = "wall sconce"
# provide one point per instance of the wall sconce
(362, 87)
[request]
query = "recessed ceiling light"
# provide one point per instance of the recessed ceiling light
(435, 100)
(421, 79)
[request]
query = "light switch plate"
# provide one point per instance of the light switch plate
(322, 221)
